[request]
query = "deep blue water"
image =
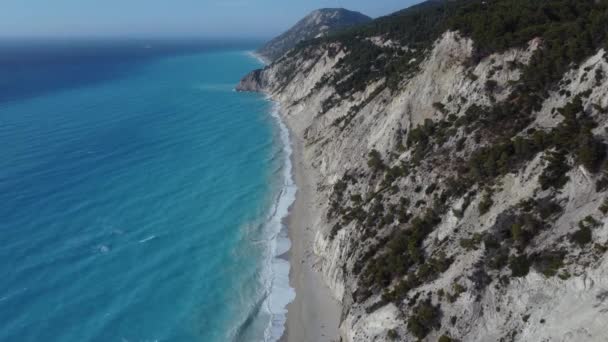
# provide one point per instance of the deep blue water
(137, 192)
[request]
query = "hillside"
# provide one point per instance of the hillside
(459, 152)
(318, 23)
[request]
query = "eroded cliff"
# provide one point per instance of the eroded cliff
(456, 205)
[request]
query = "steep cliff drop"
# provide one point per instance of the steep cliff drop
(459, 157)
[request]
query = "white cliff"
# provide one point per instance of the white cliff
(477, 303)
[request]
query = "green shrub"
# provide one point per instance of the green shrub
(599, 76)
(491, 85)
(460, 143)
(604, 207)
(486, 203)
(440, 107)
(356, 198)
(457, 291)
(549, 262)
(520, 266)
(433, 267)
(498, 260)
(554, 175)
(444, 338)
(334, 231)
(375, 162)
(600, 249)
(565, 275)
(548, 208)
(423, 319)
(491, 242)
(517, 232)
(590, 151)
(472, 243)
(582, 236)
(590, 222)
(392, 334)
(403, 250)
(602, 183)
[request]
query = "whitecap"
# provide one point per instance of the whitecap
(2, 299)
(215, 87)
(103, 249)
(280, 291)
(152, 237)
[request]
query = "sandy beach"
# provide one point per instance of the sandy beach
(314, 315)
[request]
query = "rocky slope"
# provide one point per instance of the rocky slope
(316, 24)
(461, 201)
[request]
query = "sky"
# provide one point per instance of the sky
(199, 18)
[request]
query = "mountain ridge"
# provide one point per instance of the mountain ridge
(318, 23)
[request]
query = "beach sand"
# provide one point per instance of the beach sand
(314, 315)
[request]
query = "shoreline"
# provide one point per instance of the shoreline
(314, 315)
(263, 60)
(281, 292)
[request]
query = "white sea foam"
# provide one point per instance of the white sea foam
(2, 299)
(281, 293)
(103, 249)
(278, 291)
(221, 87)
(147, 239)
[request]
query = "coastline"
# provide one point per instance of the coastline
(314, 315)
(281, 292)
(260, 58)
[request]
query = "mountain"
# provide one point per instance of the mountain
(316, 24)
(458, 153)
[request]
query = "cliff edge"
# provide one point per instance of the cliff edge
(459, 158)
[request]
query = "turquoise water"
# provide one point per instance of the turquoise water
(140, 200)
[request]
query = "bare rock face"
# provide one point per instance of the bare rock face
(481, 280)
(252, 82)
(314, 25)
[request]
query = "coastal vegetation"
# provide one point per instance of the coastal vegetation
(465, 196)
(504, 143)
(570, 30)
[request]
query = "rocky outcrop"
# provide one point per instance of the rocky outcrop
(318, 23)
(480, 279)
(253, 82)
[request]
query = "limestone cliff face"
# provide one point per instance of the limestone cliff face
(473, 296)
(254, 82)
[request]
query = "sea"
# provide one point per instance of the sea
(141, 197)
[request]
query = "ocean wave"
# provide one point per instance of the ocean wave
(221, 87)
(276, 293)
(152, 237)
(281, 293)
(270, 305)
(9, 296)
